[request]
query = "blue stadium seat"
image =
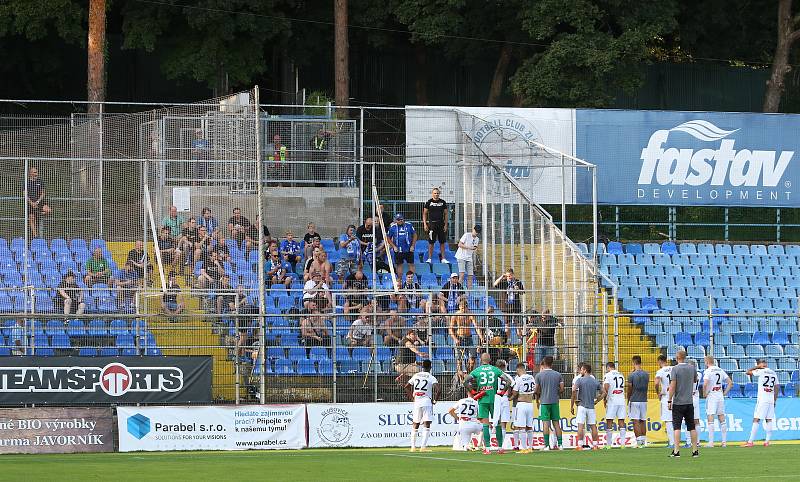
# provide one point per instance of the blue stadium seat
(86, 351)
(663, 339)
(614, 247)
(361, 353)
(705, 248)
(754, 351)
(318, 353)
(668, 247)
(750, 390)
(634, 248)
(761, 338)
(695, 351)
(790, 390)
(780, 338)
(284, 366)
(728, 364)
(306, 367)
(687, 248)
(736, 391)
(736, 351)
(702, 339)
(723, 249)
(683, 338)
(348, 366)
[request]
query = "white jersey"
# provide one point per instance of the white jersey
(616, 387)
(766, 385)
(716, 378)
(466, 410)
(698, 385)
(525, 384)
(664, 375)
(422, 386)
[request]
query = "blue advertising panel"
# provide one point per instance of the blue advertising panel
(690, 158)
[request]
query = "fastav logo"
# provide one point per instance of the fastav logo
(507, 140)
(335, 428)
(717, 167)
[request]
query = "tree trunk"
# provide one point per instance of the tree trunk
(780, 62)
(96, 69)
(421, 81)
(341, 54)
(500, 73)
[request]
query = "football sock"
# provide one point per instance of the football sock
(498, 433)
(530, 439)
(560, 441)
(425, 433)
(622, 436)
(608, 437)
(768, 429)
(670, 433)
(547, 440)
(753, 431)
(413, 438)
(487, 436)
(723, 427)
(521, 439)
(711, 432)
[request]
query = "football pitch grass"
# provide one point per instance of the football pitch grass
(778, 462)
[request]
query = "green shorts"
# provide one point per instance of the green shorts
(549, 411)
(486, 410)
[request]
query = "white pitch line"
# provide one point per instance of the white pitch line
(574, 469)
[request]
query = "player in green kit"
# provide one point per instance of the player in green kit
(483, 383)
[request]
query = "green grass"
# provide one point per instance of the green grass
(733, 463)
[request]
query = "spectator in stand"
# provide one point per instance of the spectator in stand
(313, 331)
(364, 235)
(290, 249)
(356, 285)
(98, 269)
(201, 152)
(434, 222)
(174, 222)
(251, 236)
(276, 271)
(411, 294)
(17, 339)
(451, 294)
(189, 242)
(37, 204)
(127, 283)
(401, 238)
(360, 333)
(461, 325)
(277, 157)
(318, 291)
(171, 301)
(170, 253)
(406, 360)
(546, 335)
(227, 299)
(349, 261)
(222, 249)
(465, 254)
(70, 296)
(138, 258)
(311, 261)
(308, 239)
(208, 221)
(497, 334)
(510, 295)
(423, 326)
(237, 226)
(211, 272)
(393, 329)
(204, 244)
(321, 264)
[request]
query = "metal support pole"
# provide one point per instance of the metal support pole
(594, 216)
(236, 371)
(100, 177)
(262, 307)
(484, 222)
(604, 353)
(563, 197)
(532, 255)
(616, 337)
(334, 349)
(616, 223)
(361, 167)
(726, 224)
(710, 326)
(778, 225)
(145, 270)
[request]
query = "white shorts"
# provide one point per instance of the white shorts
(523, 415)
(715, 406)
(764, 411)
(422, 412)
(696, 406)
(586, 416)
(615, 411)
(637, 410)
(466, 429)
(502, 410)
(666, 413)
(465, 266)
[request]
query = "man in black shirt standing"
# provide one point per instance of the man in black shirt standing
(364, 235)
(546, 335)
(37, 206)
(434, 222)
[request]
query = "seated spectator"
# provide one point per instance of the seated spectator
(237, 226)
(316, 243)
(497, 335)
(510, 294)
(349, 261)
(407, 352)
(276, 271)
(411, 294)
(356, 286)
(360, 333)
(37, 205)
(318, 291)
(451, 294)
(189, 241)
(127, 282)
(203, 246)
(222, 249)
(209, 222)
(174, 222)
(461, 325)
(69, 296)
(137, 257)
(170, 253)
(393, 329)
(227, 299)
(251, 235)
(290, 249)
(308, 238)
(211, 272)
(313, 331)
(98, 269)
(171, 301)
(17, 339)
(319, 264)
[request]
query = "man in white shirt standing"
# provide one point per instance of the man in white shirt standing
(662, 381)
(614, 400)
(523, 392)
(424, 387)
(766, 400)
(716, 385)
(465, 254)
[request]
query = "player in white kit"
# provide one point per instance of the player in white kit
(502, 408)
(698, 385)
(465, 411)
(716, 385)
(765, 403)
(662, 381)
(614, 400)
(424, 387)
(522, 394)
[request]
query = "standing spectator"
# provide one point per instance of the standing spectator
(174, 222)
(211, 272)
(316, 245)
(364, 235)
(356, 285)
(170, 301)
(290, 249)
(276, 271)
(511, 295)
(393, 328)
(201, 152)
(401, 238)
(277, 157)
(546, 335)
(360, 333)
(320, 264)
(465, 254)
(308, 238)
(318, 291)
(98, 269)
(411, 294)
(17, 339)
(170, 254)
(37, 205)
(320, 154)
(208, 221)
(349, 242)
(251, 235)
(237, 226)
(313, 331)
(406, 361)
(461, 325)
(70, 296)
(683, 379)
(451, 295)
(137, 257)
(497, 334)
(127, 283)
(434, 222)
